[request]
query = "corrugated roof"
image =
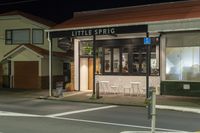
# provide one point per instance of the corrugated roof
(134, 14)
(31, 17)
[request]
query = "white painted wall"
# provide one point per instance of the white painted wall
(76, 62)
(124, 81)
(83, 74)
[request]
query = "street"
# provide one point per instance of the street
(28, 115)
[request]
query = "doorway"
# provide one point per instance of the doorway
(86, 74)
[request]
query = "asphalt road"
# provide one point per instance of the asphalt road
(49, 116)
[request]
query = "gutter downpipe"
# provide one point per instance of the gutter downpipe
(50, 64)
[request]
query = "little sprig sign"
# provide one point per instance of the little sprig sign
(147, 41)
(89, 32)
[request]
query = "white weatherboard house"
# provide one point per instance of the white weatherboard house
(109, 47)
(24, 52)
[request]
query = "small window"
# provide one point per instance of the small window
(38, 36)
(86, 48)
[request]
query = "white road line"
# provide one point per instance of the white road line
(116, 124)
(80, 111)
(5, 113)
(183, 109)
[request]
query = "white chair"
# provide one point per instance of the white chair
(104, 87)
(135, 88)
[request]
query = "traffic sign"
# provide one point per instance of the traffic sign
(147, 41)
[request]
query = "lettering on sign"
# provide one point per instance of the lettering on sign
(90, 32)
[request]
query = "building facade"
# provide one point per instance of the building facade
(110, 46)
(24, 52)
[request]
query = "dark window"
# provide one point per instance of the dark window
(37, 36)
(19, 36)
(139, 59)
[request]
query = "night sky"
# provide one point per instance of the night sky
(61, 10)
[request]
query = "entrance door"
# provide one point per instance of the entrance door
(86, 74)
(90, 74)
(26, 74)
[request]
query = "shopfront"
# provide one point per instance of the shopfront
(114, 54)
(109, 46)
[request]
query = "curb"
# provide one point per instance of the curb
(175, 108)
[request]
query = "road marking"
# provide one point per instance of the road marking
(183, 109)
(5, 113)
(80, 111)
(115, 124)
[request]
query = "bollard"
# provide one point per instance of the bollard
(153, 112)
(97, 90)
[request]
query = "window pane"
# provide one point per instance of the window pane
(116, 58)
(21, 36)
(190, 63)
(139, 59)
(8, 38)
(135, 58)
(98, 60)
(37, 36)
(143, 59)
(86, 48)
(173, 63)
(125, 60)
(107, 60)
(154, 62)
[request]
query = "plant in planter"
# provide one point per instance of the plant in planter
(88, 49)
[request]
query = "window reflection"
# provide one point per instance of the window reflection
(107, 60)
(125, 60)
(183, 63)
(116, 59)
(139, 59)
(98, 60)
(154, 61)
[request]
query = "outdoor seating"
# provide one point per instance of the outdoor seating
(104, 87)
(133, 89)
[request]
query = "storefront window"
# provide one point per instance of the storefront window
(98, 60)
(107, 60)
(139, 59)
(183, 63)
(154, 61)
(126, 57)
(116, 59)
(125, 60)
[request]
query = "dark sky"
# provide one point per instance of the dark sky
(61, 10)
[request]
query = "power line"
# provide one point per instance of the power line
(16, 2)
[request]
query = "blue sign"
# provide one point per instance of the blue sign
(147, 41)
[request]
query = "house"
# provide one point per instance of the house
(24, 53)
(130, 44)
